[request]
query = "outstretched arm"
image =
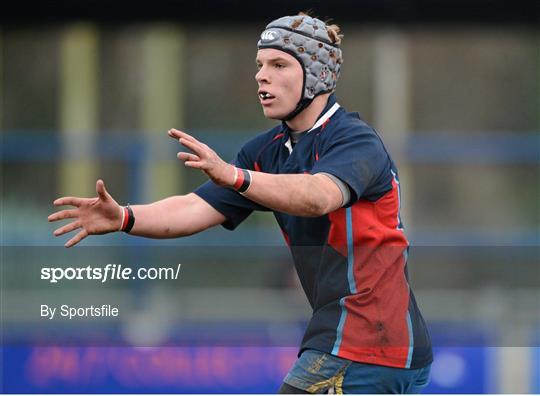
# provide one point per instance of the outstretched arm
(169, 218)
(175, 217)
(296, 194)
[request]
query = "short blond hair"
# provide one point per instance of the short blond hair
(333, 30)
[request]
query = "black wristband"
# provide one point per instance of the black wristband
(247, 181)
(131, 220)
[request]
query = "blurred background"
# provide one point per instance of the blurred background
(453, 87)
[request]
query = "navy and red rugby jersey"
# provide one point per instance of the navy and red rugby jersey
(352, 263)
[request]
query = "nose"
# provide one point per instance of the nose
(262, 75)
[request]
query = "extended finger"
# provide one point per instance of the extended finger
(101, 191)
(67, 228)
(73, 201)
(176, 134)
(63, 214)
(195, 165)
(76, 239)
(187, 156)
(196, 147)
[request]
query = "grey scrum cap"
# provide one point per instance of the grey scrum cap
(307, 40)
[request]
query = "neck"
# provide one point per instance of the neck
(308, 117)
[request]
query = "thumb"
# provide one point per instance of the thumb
(101, 191)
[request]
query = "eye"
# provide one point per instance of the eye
(259, 66)
(279, 65)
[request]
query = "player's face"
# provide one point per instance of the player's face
(280, 80)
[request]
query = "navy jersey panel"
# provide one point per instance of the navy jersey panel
(231, 204)
(352, 263)
(422, 355)
(355, 154)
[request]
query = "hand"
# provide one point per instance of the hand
(98, 215)
(204, 158)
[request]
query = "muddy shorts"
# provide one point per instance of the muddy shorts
(319, 372)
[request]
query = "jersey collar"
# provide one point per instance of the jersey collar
(331, 107)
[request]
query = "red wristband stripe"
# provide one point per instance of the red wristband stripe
(239, 178)
(126, 218)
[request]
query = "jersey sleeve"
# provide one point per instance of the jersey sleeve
(359, 159)
(235, 207)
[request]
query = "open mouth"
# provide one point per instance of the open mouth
(265, 96)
